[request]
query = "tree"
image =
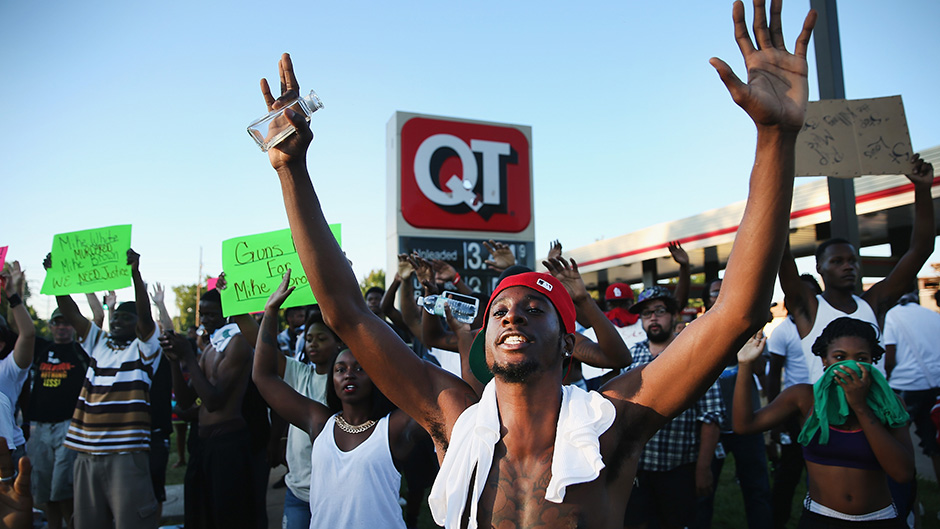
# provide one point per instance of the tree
(376, 278)
(186, 305)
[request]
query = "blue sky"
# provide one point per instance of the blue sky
(128, 112)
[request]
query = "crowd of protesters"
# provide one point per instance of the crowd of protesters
(493, 416)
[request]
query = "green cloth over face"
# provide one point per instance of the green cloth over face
(831, 408)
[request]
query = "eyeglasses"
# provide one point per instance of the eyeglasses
(647, 314)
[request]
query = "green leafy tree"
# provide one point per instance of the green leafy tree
(376, 278)
(186, 305)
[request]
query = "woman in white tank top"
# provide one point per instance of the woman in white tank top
(359, 439)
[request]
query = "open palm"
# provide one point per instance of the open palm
(777, 89)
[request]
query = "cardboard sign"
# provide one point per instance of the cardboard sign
(254, 266)
(89, 261)
(850, 138)
(3, 255)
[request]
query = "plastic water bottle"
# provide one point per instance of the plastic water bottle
(463, 311)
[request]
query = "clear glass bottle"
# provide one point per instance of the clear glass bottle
(269, 130)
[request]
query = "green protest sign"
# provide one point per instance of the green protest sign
(89, 261)
(254, 266)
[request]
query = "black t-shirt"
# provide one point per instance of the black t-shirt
(57, 375)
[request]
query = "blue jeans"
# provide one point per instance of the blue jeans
(296, 512)
(750, 463)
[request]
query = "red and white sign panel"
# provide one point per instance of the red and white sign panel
(465, 176)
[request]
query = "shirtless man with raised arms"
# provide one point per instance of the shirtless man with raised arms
(579, 480)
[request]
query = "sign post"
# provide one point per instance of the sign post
(454, 183)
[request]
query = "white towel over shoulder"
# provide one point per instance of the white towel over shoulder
(577, 459)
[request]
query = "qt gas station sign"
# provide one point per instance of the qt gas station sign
(456, 184)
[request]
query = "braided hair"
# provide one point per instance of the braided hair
(845, 326)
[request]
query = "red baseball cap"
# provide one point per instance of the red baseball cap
(544, 284)
(618, 291)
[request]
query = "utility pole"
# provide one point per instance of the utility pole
(844, 221)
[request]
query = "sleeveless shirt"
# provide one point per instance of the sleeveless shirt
(825, 314)
(358, 488)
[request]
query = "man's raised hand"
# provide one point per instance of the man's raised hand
(501, 256)
(922, 173)
(157, 294)
(777, 89)
(679, 255)
(569, 276)
(294, 148)
(279, 296)
(404, 267)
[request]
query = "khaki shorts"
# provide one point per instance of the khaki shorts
(115, 487)
(52, 462)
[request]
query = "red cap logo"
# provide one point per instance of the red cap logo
(465, 176)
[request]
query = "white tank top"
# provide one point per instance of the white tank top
(355, 489)
(825, 314)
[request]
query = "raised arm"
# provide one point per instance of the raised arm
(775, 98)
(69, 309)
(501, 256)
(884, 294)
(97, 311)
(268, 372)
(157, 295)
(609, 351)
(681, 257)
(801, 306)
(229, 374)
(14, 286)
(744, 419)
(174, 348)
(430, 395)
(145, 325)
(433, 333)
(410, 312)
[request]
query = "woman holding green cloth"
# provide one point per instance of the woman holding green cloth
(854, 428)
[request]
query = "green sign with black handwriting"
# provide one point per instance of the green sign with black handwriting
(254, 266)
(89, 261)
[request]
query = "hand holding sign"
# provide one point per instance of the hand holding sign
(922, 173)
(89, 261)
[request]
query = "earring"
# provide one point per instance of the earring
(567, 353)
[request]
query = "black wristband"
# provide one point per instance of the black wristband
(15, 300)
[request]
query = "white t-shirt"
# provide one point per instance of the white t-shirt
(916, 333)
(631, 334)
(12, 378)
(785, 342)
(306, 381)
(8, 426)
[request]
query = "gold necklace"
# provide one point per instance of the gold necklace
(349, 428)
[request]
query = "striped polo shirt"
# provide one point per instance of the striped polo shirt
(112, 414)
